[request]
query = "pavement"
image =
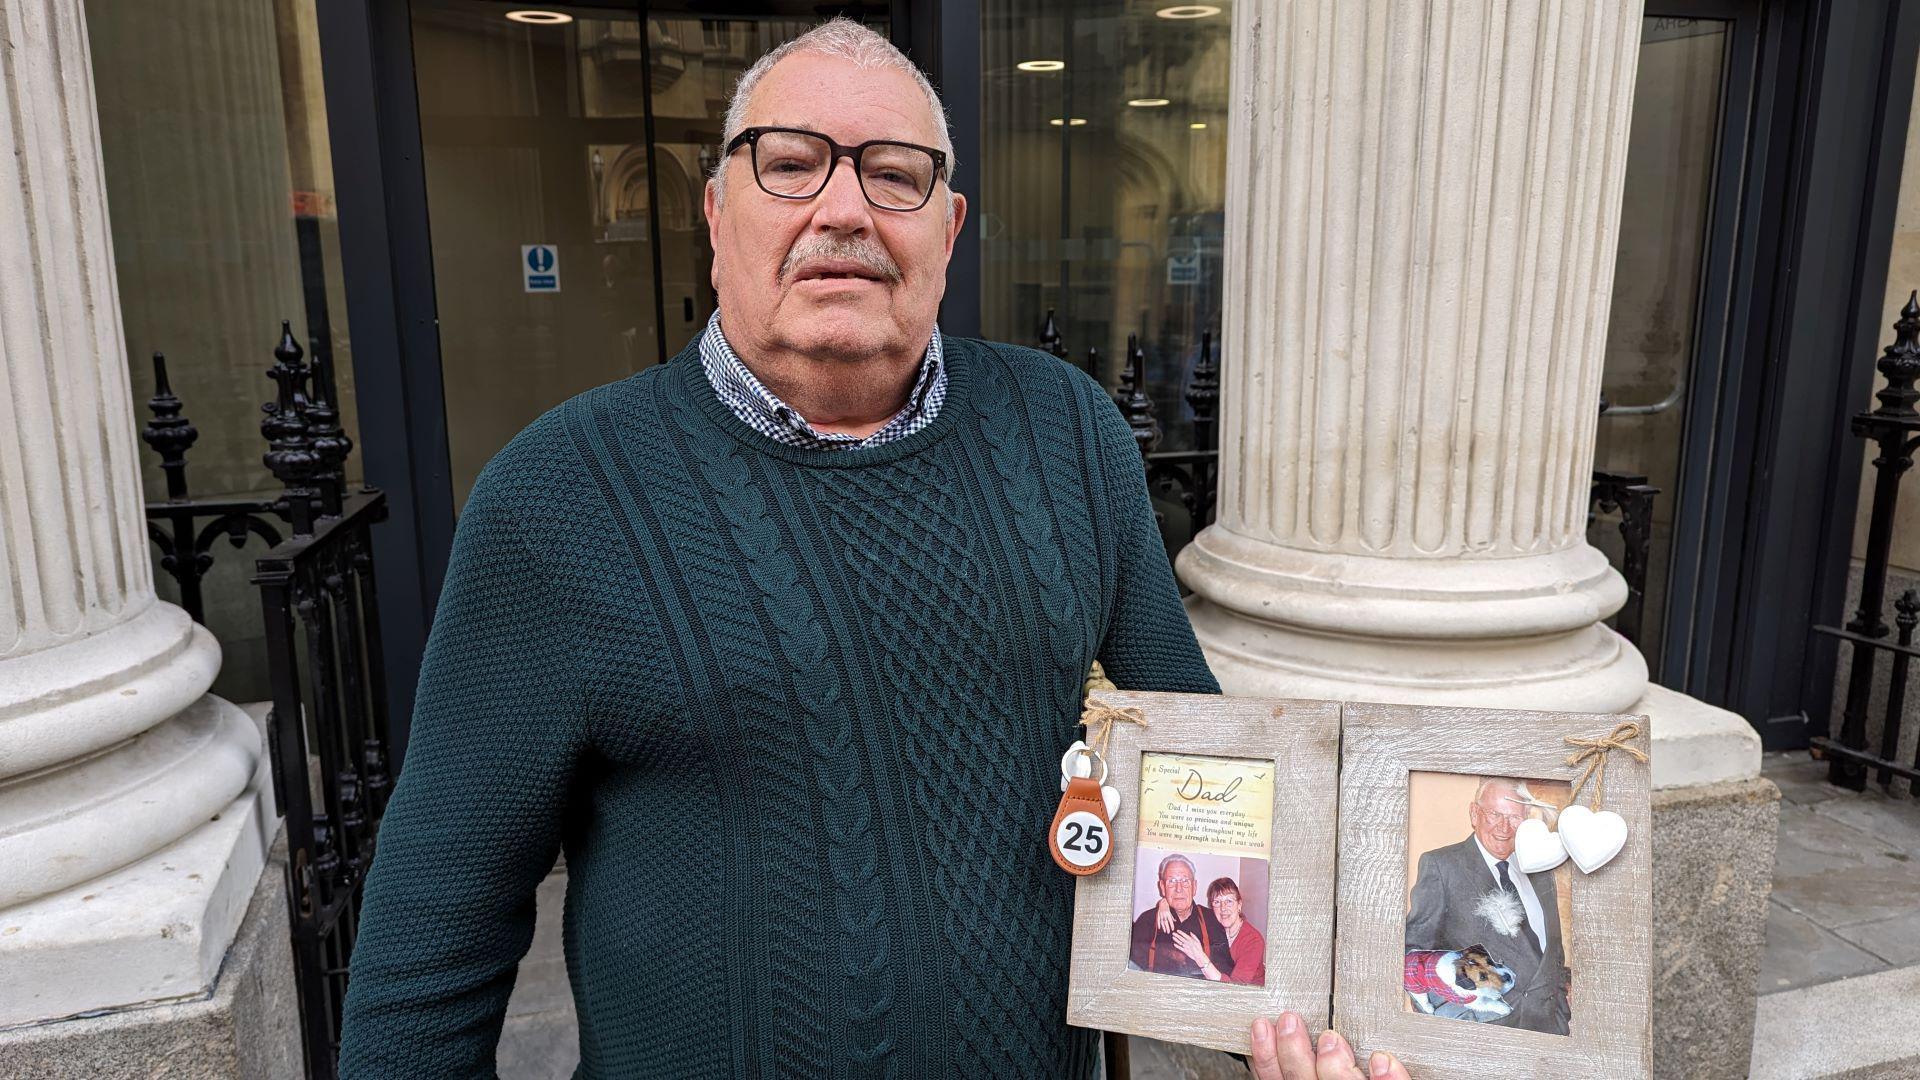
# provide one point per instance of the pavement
(1839, 983)
(1846, 880)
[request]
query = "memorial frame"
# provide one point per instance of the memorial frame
(1610, 955)
(1302, 739)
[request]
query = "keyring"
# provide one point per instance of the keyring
(1066, 762)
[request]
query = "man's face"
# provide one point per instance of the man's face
(1495, 818)
(767, 251)
(1176, 884)
(1226, 908)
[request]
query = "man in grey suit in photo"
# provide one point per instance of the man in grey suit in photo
(1457, 887)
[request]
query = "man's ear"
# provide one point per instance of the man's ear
(710, 206)
(956, 218)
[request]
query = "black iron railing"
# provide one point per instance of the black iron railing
(1894, 426)
(327, 730)
(1190, 477)
(1631, 499)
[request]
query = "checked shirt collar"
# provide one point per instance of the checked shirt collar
(763, 411)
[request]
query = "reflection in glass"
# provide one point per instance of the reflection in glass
(537, 134)
(1095, 203)
(1657, 280)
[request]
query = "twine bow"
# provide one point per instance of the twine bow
(1594, 752)
(1100, 717)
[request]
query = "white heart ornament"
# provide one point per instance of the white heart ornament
(1111, 796)
(1591, 839)
(1536, 849)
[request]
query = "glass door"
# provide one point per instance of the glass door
(565, 151)
(1672, 154)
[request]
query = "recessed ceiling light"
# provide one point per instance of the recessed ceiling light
(540, 18)
(1187, 11)
(1041, 65)
(1198, 125)
(1148, 102)
(1078, 121)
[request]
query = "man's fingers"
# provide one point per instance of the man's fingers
(1282, 1051)
(1384, 1066)
(1334, 1059)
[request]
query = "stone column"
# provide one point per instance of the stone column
(1428, 197)
(132, 822)
(1422, 217)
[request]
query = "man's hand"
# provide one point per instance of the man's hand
(1164, 920)
(1191, 946)
(1283, 1052)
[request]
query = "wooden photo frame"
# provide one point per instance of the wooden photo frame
(1607, 946)
(1302, 740)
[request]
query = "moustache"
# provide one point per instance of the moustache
(869, 255)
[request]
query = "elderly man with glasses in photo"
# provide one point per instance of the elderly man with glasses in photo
(780, 642)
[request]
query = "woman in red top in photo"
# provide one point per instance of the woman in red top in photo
(1249, 946)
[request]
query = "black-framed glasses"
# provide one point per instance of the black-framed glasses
(794, 163)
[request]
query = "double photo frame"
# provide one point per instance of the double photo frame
(1361, 865)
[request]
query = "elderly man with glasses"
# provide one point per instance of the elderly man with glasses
(780, 642)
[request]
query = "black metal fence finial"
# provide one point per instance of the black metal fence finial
(1050, 337)
(1900, 363)
(169, 433)
(1203, 394)
(291, 456)
(1133, 399)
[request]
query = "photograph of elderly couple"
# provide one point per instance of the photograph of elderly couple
(1485, 942)
(1196, 917)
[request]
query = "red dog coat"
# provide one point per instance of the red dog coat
(1423, 976)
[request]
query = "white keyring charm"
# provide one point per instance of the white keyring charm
(1079, 761)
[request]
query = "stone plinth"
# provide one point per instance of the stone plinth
(244, 1026)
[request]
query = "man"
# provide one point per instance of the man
(780, 643)
(1447, 910)
(1193, 943)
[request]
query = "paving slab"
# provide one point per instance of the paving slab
(1893, 821)
(1838, 875)
(1895, 940)
(1866, 1026)
(538, 1046)
(1801, 953)
(1802, 781)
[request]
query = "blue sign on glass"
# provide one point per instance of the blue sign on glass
(540, 267)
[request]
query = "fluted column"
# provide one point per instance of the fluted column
(110, 748)
(1423, 207)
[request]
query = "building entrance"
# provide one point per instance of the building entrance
(565, 151)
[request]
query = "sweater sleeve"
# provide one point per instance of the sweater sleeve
(1148, 644)
(474, 822)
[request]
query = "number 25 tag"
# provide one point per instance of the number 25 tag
(1082, 836)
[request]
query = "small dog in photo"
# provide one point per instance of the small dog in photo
(1458, 984)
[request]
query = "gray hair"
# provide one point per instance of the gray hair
(1519, 788)
(1170, 860)
(843, 39)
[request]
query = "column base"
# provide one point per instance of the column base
(246, 1024)
(1517, 633)
(153, 930)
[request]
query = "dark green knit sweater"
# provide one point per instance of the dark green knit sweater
(794, 716)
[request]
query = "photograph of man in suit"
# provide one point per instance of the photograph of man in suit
(1457, 903)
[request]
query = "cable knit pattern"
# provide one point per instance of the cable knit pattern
(795, 717)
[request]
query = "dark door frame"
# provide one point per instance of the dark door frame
(386, 257)
(1817, 103)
